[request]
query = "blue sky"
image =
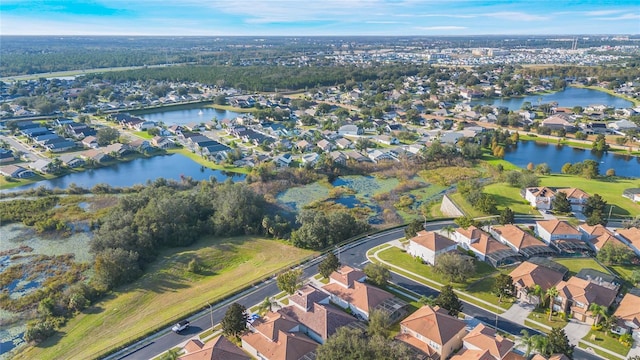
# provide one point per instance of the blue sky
(321, 17)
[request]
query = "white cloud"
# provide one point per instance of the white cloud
(385, 22)
(456, 16)
(447, 27)
(516, 16)
(602, 12)
(621, 17)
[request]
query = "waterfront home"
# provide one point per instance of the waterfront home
(376, 155)
(432, 331)
(16, 172)
(632, 194)
(71, 160)
(553, 230)
(356, 156)
(631, 237)
(428, 245)
(96, 155)
(338, 157)
(139, 145)
(539, 197)
(162, 142)
(41, 165)
(628, 315)
(622, 125)
(217, 349)
(576, 295)
(6, 156)
(90, 142)
(527, 275)
(559, 121)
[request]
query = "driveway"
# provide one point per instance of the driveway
(518, 312)
(576, 330)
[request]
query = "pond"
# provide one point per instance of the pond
(569, 98)
(556, 156)
(137, 171)
(181, 115)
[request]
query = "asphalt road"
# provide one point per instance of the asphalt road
(29, 152)
(354, 255)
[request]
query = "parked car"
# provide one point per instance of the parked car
(180, 326)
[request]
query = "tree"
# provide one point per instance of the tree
(541, 344)
(454, 267)
(379, 323)
(552, 293)
(543, 169)
(594, 203)
(614, 254)
(559, 343)
(560, 203)
(290, 281)
(465, 221)
(412, 229)
(234, 322)
(527, 341)
(449, 300)
(114, 267)
(266, 305)
(328, 265)
(377, 274)
(530, 166)
(598, 311)
(506, 216)
(107, 135)
(600, 144)
(356, 344)
(503, 286)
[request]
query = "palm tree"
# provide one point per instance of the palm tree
(598, 311)
(266, 305)
(541, 344)
(536, 290)
(552, 293)
(449, 230)
(609, 323)
(528, 341)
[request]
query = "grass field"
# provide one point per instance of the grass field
(166, 292)
(607, 341)
(464, 205)
(576, 264)
(610, 189)
(143, 134)
(540, 315)
(492, 160)
(509, 196)
(210, 164)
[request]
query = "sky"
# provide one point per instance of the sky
(318, 17)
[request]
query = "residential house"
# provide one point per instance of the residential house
(338, 157)
(283, 160)
(553, 230)
(631, 237)
(628, 315)
(559, 121)
(71, 160)
(343, 143)
(356, 156)
(576, 295)
(433, 331)
(309, 159)
(540, 197)
(485, 247)
(598, 236)
(139, 145)
(90, 142)
(117, 149)
(527, 275)
(622, 125)
(325, 145)
(16, 172)
(41, 165)
(376, 155)
(386, 140)
(6, 156)
(97, 156)
(428, 245)
(632, 194)
(217, 349)
(277, 337)
(162, 142)
(347, 291)
(577, 198)
(521, 241)
(303, 145)
(350, 130)
(483, 338)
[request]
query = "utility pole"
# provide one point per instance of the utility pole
(211, 313)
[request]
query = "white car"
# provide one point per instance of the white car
(182, 325)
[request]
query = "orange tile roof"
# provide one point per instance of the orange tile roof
(605, 239)
(586, 292)
(541, 191)
(528, 274)
(471, 232)
(485, 338)
(363, 296)
(288, 346)
(272, 323)
(324, 320)
(434, 324)
(559, 357)
(306, 296)
(420, 345)
(555, 227)
(347, 275)
(432, 240)
(467, 354)
(488, 245)
(218, 349)
(513, 356)
(193, 345)
(629, 309)
(595, 230)
(632, 235)
(574, 193)
(517, 237)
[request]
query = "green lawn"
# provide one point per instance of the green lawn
(610, 190)
(576, 264)
(167, 292)
(464, 205)
(509, 196)
(607, 341)
(210, 164)
(624, 272)
(540, 315)
(492, 160)
(143, 134)
(482, 289)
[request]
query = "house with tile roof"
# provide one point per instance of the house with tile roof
(527, 275)
(485, 247)
(520, 241)
(16, 172)
(428, 245)
(483, 338)
(277, 337)
(540, 197)
(631, 237)
(218, 349)
(628, 315)
(577, 198)
(433, 331)
(576, 295)
(562, 235)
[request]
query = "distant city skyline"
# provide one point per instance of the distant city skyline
(318, 18)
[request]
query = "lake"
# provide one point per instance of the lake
(181, 115)
(556, 156)
(137, 171)
(569, 98)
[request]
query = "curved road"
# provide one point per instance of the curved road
(353, 254)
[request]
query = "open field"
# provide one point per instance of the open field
(509, 196)
(464, 205)
(492, 160)
(232, 108)
(610, 189)
(576, 264)
(168, 291)
(210, 164)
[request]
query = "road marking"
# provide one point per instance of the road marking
(364, 262)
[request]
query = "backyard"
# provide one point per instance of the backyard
(168, 291)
